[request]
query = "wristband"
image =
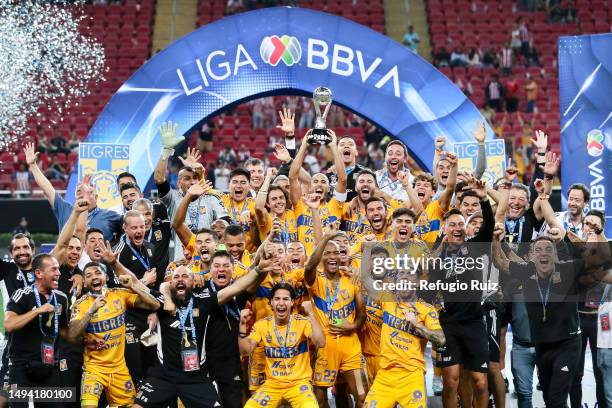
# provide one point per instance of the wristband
(548, 177)
(243, 335)
(166, 153)
(290, 142)
(541, 154)
(257, 270)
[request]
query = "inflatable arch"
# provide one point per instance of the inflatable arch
(284, 51)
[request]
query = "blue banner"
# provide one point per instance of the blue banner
(585, 82)
(284, 51)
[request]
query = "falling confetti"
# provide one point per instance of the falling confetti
(44, 61)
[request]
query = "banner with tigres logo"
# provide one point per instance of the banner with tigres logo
(103, 162)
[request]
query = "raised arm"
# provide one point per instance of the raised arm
(145, 299)
(415, 203)
(540, 144)
(255, 276)
(111, 258)
(261, 213)
(447, 194)
(500, 260)
(169, 140)
(68, 231)
(310, 269)
(542, 206)
(481, 160)
(439, 150)
(178, 222)
(338, 163)
(502, 196)
(294, 170)
(42, 181)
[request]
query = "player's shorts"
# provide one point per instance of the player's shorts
(372, 364)
(159, 390)
(467, 343)
(116, 383)
(340, 354)
(397, 386)
(271, 396)
(492, 318)
(257, 368)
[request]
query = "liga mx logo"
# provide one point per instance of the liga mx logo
(595, 142)
(275, 49)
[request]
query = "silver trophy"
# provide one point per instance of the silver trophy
(321, 96)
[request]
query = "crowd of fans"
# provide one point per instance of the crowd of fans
(153, 301)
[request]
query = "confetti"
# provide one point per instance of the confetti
(44, 61)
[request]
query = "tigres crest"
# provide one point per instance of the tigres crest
(103, 162)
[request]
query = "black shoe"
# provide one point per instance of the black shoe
(507, 385)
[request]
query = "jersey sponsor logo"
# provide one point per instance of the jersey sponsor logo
(286, 352)
(106, 325)
(342, 313)
(397, 323)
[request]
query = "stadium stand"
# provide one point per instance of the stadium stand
(124, 29)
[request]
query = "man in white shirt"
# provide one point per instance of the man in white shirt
(387, 177)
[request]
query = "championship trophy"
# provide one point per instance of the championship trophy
(321, 96)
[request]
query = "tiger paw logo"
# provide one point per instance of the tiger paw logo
(595, 142)
(106, 188)
(274, 49)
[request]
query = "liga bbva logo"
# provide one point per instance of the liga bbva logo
(274, 49)
(595, 142)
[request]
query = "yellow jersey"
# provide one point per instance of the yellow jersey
(369, 334)
(286, 350)
(288, 227)
(261, 302)
(196, 263)
(333, 301)
(399, 346)
(241, 267)
(429, 224)
(357, 225)
(107, 324)
(328, 213)
(235, 209)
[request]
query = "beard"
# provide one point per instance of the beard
(181, 300)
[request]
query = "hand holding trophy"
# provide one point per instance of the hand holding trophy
(321, 97)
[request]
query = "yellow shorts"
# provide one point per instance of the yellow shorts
(372, 363)
(116, 383)
(385, 392)
(336, 357)
(257, 368)
(271, 396)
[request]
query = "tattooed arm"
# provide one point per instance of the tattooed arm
(435, 336)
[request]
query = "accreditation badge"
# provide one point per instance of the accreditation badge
(47, 351)
(189, 358)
